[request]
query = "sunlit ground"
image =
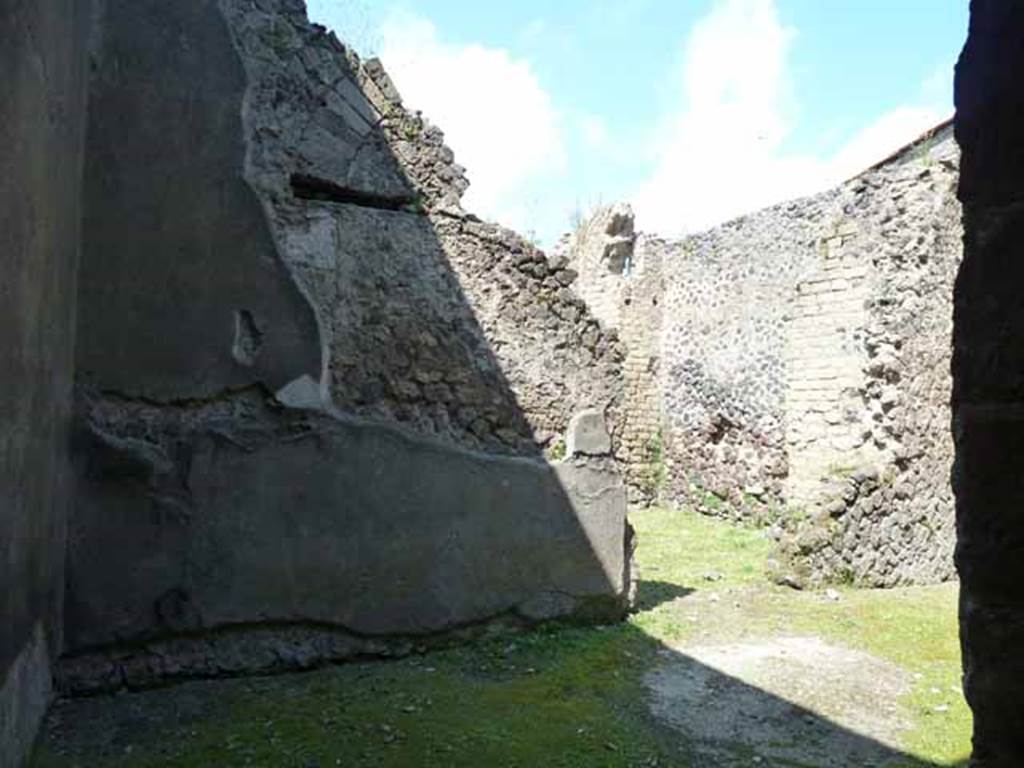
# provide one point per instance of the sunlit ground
(554, 697)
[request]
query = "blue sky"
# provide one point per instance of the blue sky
(694, 111)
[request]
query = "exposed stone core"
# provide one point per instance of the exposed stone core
(791, 366)
(328, 528)
(620, 279)
(452, 327)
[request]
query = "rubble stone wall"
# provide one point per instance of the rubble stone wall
(805, 358)
(871, 460)
(641, 447)
(430, 318)
(728, 296)
(791, 367)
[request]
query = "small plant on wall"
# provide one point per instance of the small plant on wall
(653, 473)
(555, 450)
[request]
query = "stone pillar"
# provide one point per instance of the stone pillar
(988, 380)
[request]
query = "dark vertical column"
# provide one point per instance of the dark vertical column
(42, 119)
(988, 371)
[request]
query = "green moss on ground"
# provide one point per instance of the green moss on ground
(561, 697)
(558, 697)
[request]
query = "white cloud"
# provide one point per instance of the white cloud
(496, 116)
(887, 134)
(594, 132)
(721, 152)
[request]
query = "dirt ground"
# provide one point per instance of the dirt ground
(795, 699)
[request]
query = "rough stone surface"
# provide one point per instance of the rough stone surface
(809, 341)
(868, 386)
(722, 347)
(988, 391)
(301, 364)
(588, 435)
(453, 327)
(643, 434)
(619, 275)
(791, 367)
(600, 251)
(312, 392)
(42, 107)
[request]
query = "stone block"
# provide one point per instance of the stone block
(588, 435)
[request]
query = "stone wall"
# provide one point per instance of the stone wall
(804, 365)
(299, 537)
(641, 447)
(430, 318)
(790, 367)
(988, 392)
(42, 105)
(320, 430)
(868, 440)
(824, 360)
(620, 279)
(723, 351)
(600, 252)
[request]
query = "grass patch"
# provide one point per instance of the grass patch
(915, 627)
(684, 548)
(556, 697)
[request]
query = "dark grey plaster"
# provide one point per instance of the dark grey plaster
(326, 521)
(176, 246)
(42, 106)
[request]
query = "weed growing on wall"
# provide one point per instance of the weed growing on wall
(556, 451)
(654, 473)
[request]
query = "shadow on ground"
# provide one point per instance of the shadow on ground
(651, 593)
